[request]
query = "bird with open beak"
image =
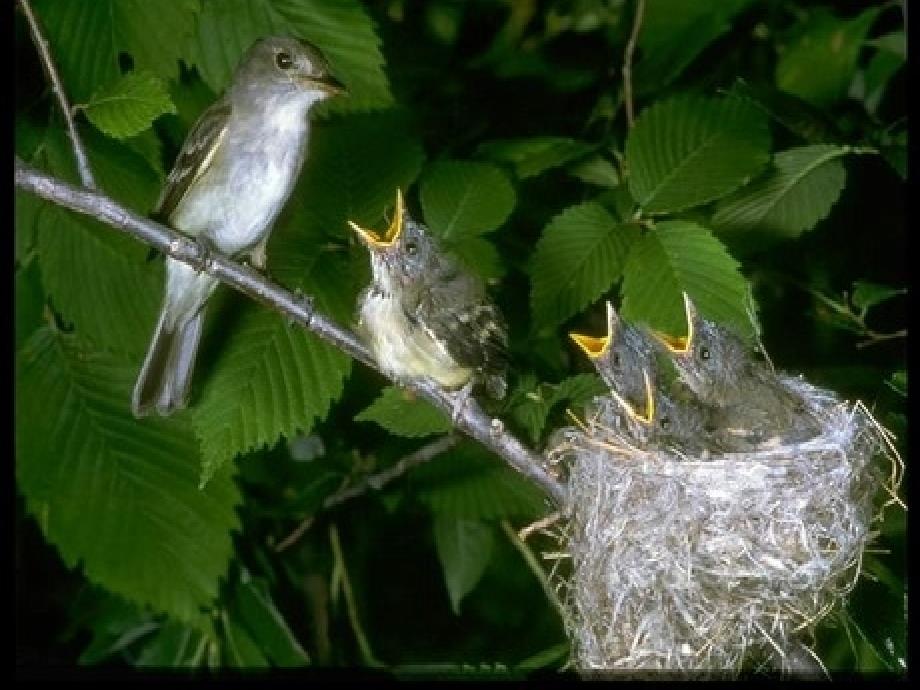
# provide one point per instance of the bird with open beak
(625, 357)
(752, 405)
(423, 315)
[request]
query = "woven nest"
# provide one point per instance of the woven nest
(701, 565)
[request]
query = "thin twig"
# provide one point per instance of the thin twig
(365, 647)
(298, 308)
(44, 53)
(534, 566)
(627, 62)
(375, 482)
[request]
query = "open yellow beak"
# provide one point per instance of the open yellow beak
(375, 241)
(595, 347)
(646, 417)
(680, 345)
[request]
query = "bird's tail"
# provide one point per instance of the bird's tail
(163, 382)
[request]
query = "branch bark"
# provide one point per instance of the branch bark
(44, 54)
(296, 307)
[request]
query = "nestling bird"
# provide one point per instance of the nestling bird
(233, 174)
(423, 315)
(751, 404)
(626, 360)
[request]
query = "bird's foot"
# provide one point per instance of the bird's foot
(205, 249)
(461, 398)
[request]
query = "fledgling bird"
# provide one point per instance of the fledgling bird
(233, 174)
(424, 315)
(626, 360)
(752, 405)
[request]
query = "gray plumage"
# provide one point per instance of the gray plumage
(424, 315)
(751, 404)
(231, 178)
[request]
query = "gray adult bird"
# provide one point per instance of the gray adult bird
(752, 405)
(233, 174)
(423, 315)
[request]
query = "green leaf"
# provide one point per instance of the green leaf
(130, 105)
(351, 173)
(689, 150)
(117, 495)
(866, 295)
(254, 610)
(464, 549)
(886, 62)
(797, 116)
(469, 482)
(679, 256)
(465, 198)
(268, 379)
(596, 170)
(579, 256)
(30, 301)
(532, 403)
(87, 37)
(818, 64)
(674, 33)
(480, 256)
(531, 156)
(898, 382)
(341, 30)
(791, 198)
(403, 417)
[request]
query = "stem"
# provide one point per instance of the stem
(375, 482)
(296, 307)
(44, 54)
(627, 62)
(363, 644)
(534, 566)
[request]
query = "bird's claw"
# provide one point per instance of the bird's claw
(461, 398)
(204, 251)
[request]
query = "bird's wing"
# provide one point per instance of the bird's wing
(195, 157)
(458, 313)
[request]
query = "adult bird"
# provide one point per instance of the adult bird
(233, 174)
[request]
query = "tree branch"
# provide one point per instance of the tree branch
(297, 308)
(627, 62)
(375, 481)
(44, 54)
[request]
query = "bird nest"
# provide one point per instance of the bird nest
(699, 565)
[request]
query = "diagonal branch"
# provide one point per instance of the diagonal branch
(44, 53)
(297, 308)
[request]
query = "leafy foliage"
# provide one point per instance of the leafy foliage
(208, 539)
(150, 534)
(581, 254)
(403, 417)
(798, 192)
(130, 105)
(280, 376)
(688, 151)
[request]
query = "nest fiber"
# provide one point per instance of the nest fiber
(701, 564)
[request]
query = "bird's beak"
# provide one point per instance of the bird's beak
(645, 418)
(328, 83)
(680, 345)
(595, 347)
(372, 239)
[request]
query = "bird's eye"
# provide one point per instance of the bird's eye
(411, 249)
(284, 60)
(665, 422)
(704, 353)
(616, 359)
